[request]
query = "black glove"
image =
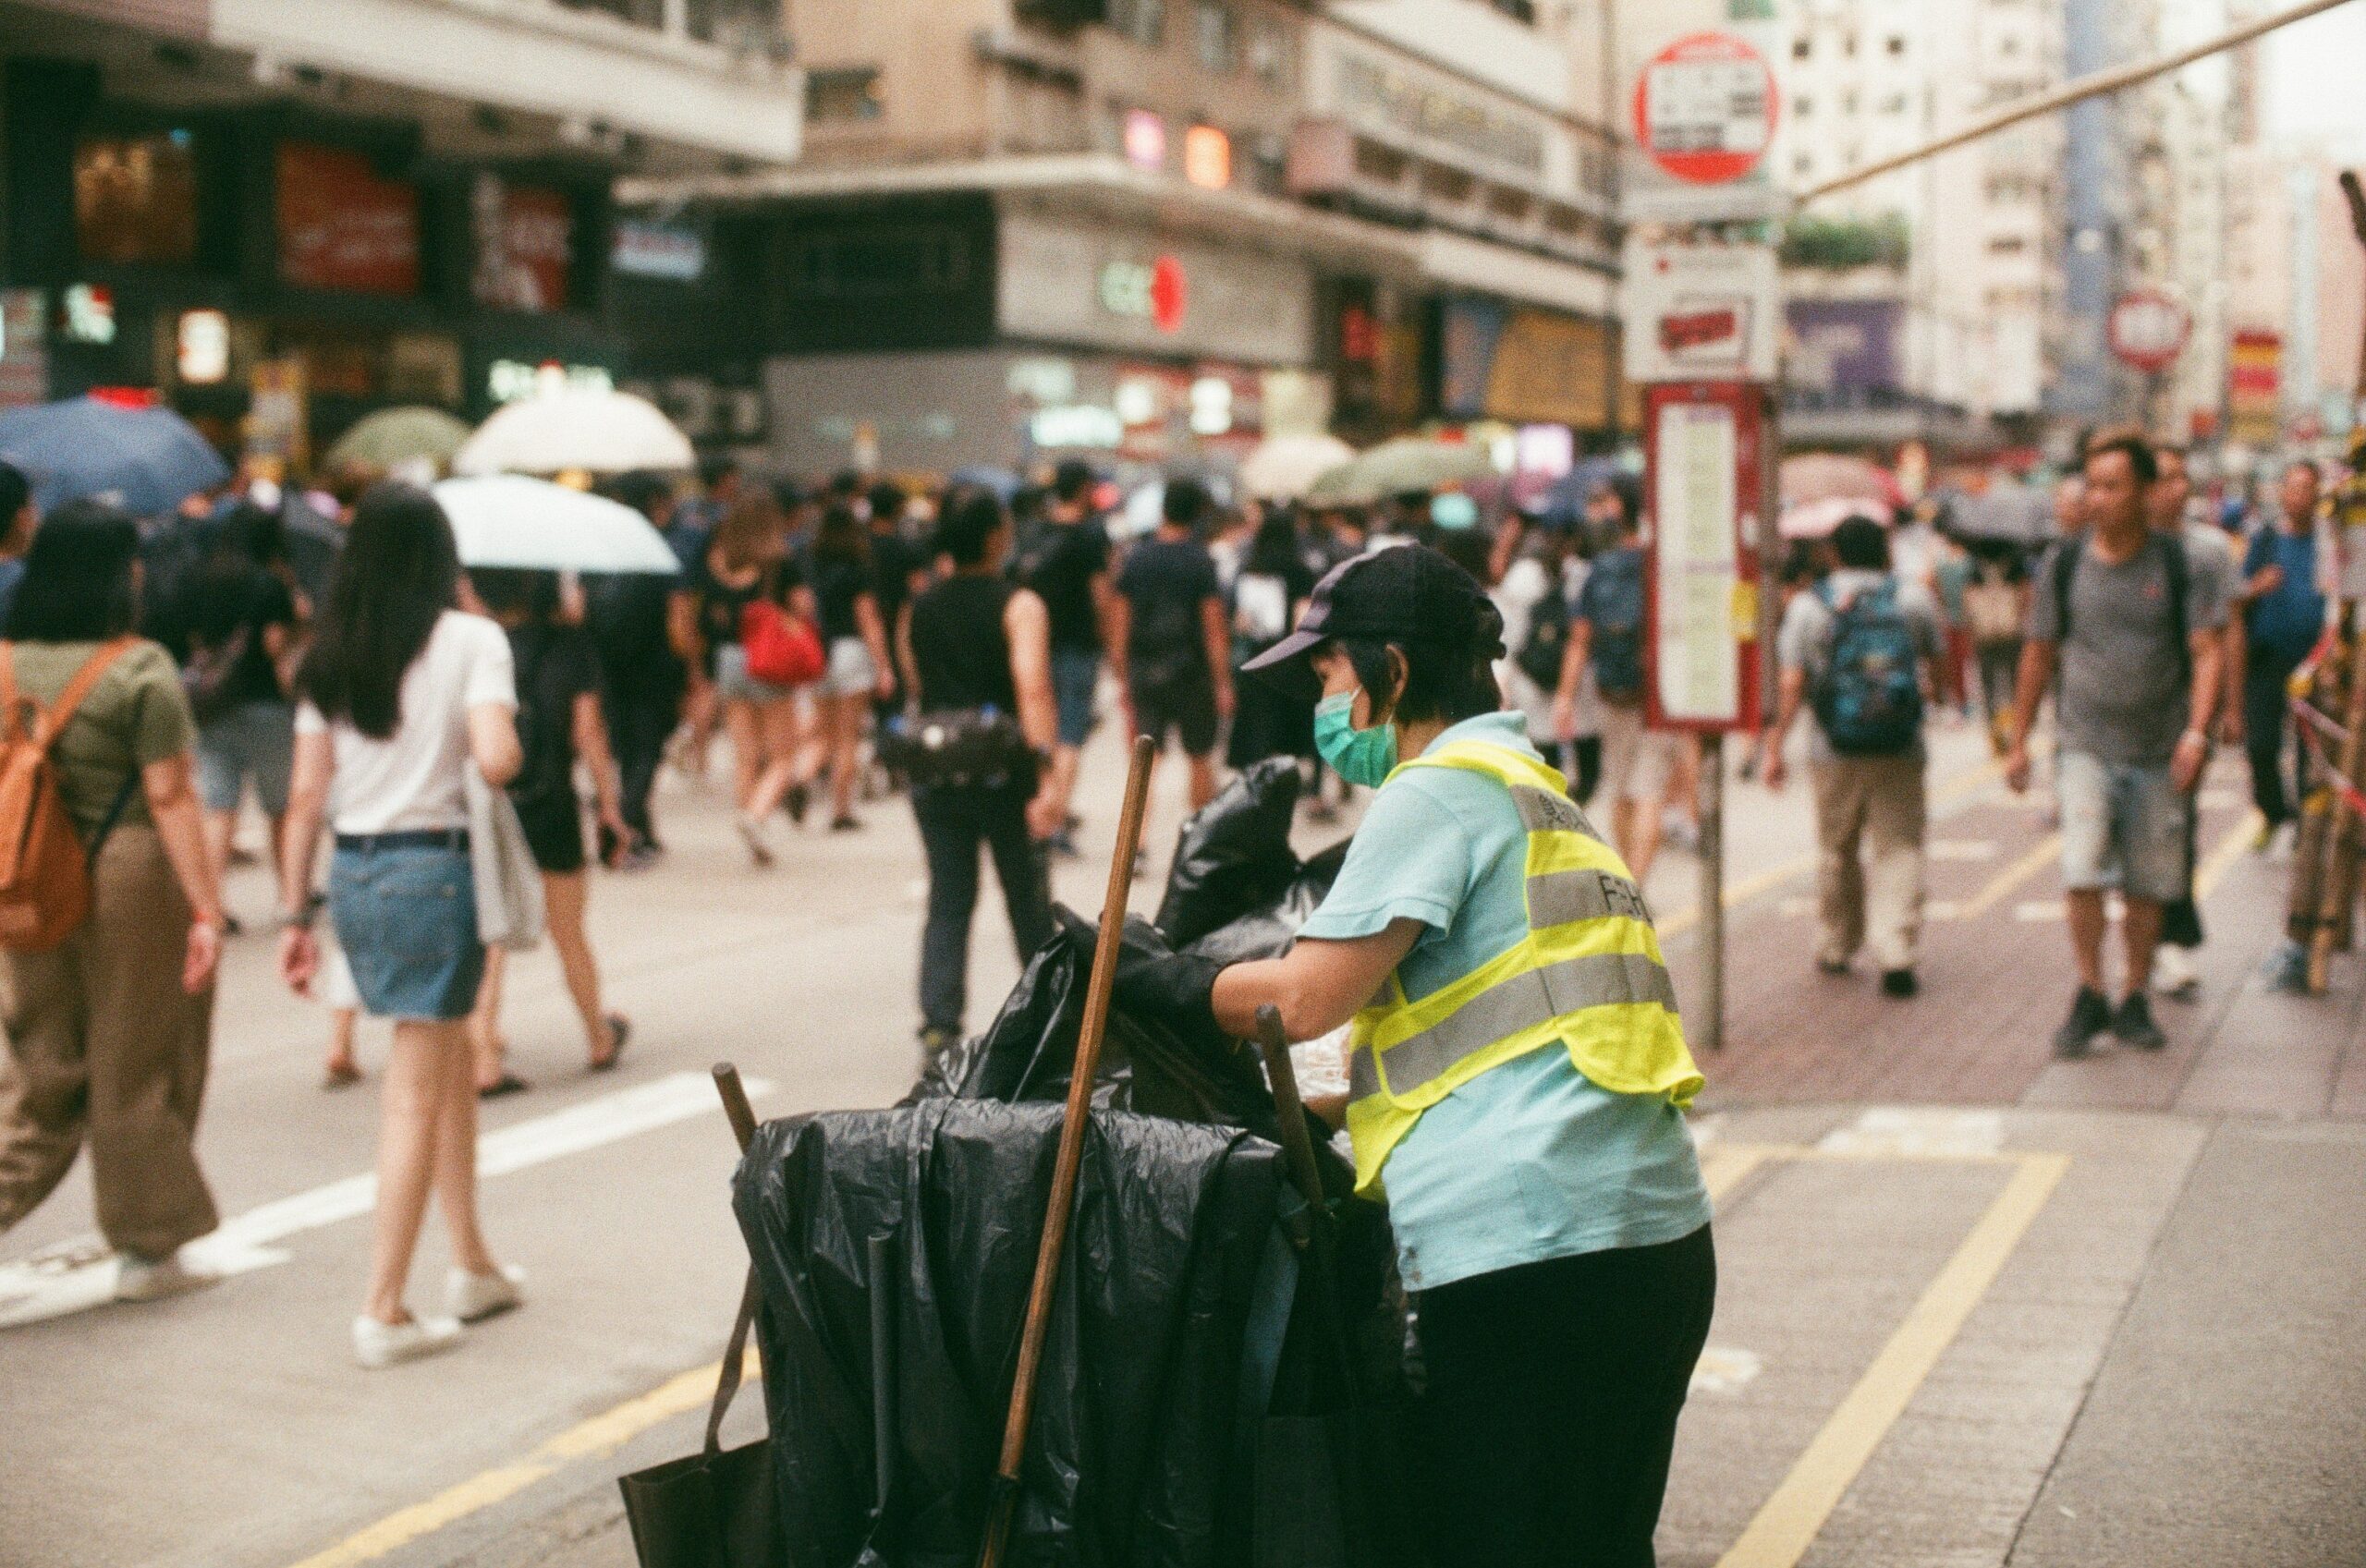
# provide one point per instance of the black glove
(1173, 989)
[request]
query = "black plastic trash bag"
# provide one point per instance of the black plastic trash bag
(1233, 855)
(1146, 1064)
(1144, 1445)
(1267, 932)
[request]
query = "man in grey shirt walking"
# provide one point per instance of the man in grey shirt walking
(2136, 634)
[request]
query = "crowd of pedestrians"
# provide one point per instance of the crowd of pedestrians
(855, 639)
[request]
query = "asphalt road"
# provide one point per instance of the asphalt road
(1974, 1309)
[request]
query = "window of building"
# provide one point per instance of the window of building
(1519, 10)
(1848, 101)
(640, 13)
(1894, 103)
(1215, 35)
(1271, 58)
(1799, 48)
(1144, 21)
(1848, 45)
(1803, 166)
(842, 95)
(1897, 44)
(2007, 245)
(2008, 45)
(1802, 107)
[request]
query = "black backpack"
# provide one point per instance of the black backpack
(1548, 638)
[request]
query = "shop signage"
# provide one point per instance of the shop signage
(1156, 291)
(506, 380)
(2148, 330)
(1700, 312)
(24, 357)
(1207, 157)
(1842, 346)
(2255, 388)
(1145, 140)
(671, 251)
(135, 199)
(1497, 362)
(1077, 424)
(1701, 484)
(202, 347)
(276, 432)
(87, 313)
(1381, 91)
(525, 245)
(343, 226)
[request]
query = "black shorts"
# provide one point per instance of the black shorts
(1184, 704)
(553, 835)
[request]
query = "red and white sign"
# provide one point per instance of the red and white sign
(1700, 312)
(2149, 329)
(343, 226)
(1705, 107)
(1703, 451)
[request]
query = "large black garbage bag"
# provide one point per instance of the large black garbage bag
(1268, 932)
(1149, 1065)
(1233, 855)
(1135, 1455)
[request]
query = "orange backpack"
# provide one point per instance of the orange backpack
(44, 870)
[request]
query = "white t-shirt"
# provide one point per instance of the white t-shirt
(415, 778)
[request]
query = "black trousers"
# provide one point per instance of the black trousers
(953, 824)
(2266, 717)
(641, 720)
(1554, 1390)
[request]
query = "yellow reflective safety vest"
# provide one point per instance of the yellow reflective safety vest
(1589, 975)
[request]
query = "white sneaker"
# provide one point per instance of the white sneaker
(377, 1344)
(2174, 975)
(474, 1298)
(153, 1279)
(758, 843)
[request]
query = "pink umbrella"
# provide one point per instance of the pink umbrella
(1829, 476)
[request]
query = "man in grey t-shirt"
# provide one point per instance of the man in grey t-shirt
(2134, 709)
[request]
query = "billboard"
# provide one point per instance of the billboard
(1499, 362)
(343, 226)
(1844, 346)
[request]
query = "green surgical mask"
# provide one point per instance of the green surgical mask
(1360, 756)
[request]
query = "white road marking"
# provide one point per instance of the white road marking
(1723, 1370)
(75, 1275)
(1916, 1130)
(2038, 911)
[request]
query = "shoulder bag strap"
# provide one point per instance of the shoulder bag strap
(122, 802)
(734, 1355)
(61, 712)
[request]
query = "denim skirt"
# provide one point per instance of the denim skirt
(407, 918)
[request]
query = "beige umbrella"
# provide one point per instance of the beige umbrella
(1283, 467)
(593, 433)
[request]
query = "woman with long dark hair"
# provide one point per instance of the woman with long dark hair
(748, 561)
(108, 1032)
(402, 693)
(856, 639)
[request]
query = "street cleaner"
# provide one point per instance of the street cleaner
(1518, 1078)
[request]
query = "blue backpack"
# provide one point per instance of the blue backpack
(1613, 600)
(1869, 697)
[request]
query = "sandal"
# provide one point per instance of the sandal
(508, 1083)
(340, 1075)
(619, 1031)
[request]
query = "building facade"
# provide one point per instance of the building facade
(279, 216)
(1157, 230)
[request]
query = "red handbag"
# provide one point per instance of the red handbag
(781, 649)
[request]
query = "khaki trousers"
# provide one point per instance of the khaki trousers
(105, 1046)
(1876, 802)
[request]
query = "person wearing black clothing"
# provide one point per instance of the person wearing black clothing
(1067, 566)
(855, 637)
(974, 641)
(898, 570)
(1170, 638)
(242, 621)
(558, 724)
(1267, 594)
(642, 678)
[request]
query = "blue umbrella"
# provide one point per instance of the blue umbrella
(1002, 482)
(145, 460)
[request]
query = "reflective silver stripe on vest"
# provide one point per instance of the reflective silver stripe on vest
(1520, 1003)
(1542, 812)
(1559, 897)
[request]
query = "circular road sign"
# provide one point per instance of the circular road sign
(2148, 330)
(1704, 108)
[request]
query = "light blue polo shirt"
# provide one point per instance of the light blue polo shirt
(1530, 1160)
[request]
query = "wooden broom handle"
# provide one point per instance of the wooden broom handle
(1072, 1129)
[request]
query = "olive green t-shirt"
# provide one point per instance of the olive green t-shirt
(137, 714)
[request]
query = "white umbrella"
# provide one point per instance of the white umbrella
(599, 432)
(509, 520)
(1282, 467)
(1816, 519)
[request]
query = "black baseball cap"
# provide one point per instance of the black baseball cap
(1409, 594)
